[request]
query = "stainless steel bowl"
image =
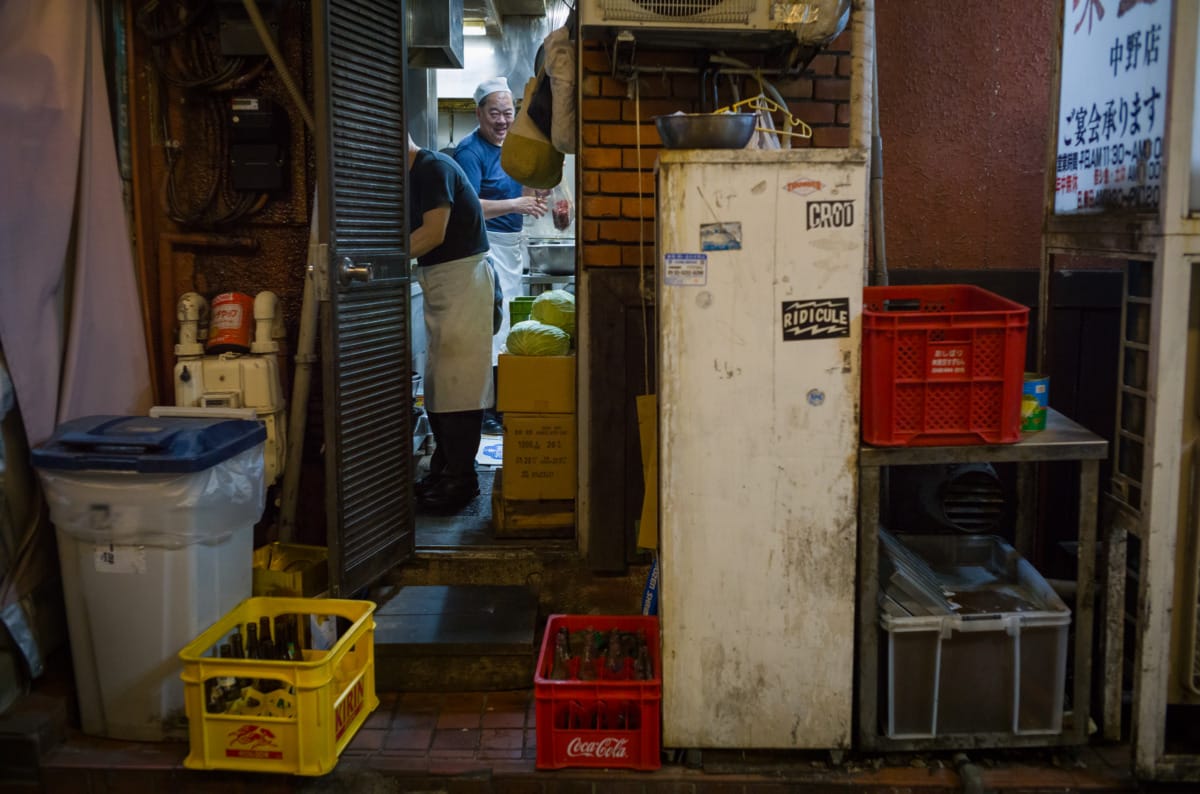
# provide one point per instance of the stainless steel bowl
(552, 257)
(705, 130)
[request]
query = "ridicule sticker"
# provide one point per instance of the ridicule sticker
(685, 270)
(721, 236)
(828, 318)
(830, 214)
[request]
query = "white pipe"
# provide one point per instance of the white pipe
(301, 381)
(190, 310)
(266, 305)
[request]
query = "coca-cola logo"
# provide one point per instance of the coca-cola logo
(603, 748)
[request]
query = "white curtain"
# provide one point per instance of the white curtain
(70, 318)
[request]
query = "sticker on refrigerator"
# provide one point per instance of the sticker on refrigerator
(830, 214)
(828, 318)
(721, 236)
(803, 186)
(685, 270)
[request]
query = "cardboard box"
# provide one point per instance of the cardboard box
(530, 518)
(536, 384)
(539, 456)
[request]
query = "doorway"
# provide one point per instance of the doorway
(510, 50)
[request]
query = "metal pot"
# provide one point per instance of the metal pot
(552, 257)
(705, 130)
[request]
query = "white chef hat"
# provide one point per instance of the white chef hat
(490, 87)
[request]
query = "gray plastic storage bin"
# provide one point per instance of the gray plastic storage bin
(976, 640)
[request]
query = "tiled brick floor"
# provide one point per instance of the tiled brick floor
(486, 742)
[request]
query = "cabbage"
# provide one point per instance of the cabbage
(531, 338)
(555, 307)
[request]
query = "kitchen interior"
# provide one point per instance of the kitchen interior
(498, 39)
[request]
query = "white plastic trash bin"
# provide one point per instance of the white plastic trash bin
(155, 524)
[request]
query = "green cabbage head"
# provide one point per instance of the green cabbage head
(555, 307)
(532, 338)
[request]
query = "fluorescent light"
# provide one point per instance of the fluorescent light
(474, 27)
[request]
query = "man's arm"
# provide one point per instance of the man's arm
(526, 205)
(431, 233)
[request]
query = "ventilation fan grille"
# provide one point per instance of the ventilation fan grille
(707, 11)
(974, 502)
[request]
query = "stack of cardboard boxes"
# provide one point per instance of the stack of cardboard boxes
(534, 492)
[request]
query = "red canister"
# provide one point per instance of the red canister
(232, 325)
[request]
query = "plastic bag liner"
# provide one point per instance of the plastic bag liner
(166, 482)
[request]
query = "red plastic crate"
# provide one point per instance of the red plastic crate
(942, 365)
(567, 710)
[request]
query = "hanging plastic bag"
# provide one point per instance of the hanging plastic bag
(562, 207)
(560, 68)
(764, 132)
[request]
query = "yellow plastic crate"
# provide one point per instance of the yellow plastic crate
(320, 702)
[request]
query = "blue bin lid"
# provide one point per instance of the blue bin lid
(147, 445)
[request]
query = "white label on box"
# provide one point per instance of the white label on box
(111, 558)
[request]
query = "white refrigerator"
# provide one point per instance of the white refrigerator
(761, 261)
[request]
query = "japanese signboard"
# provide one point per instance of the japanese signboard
(1112, 105)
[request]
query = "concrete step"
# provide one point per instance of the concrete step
(455, 638)
(552, 570)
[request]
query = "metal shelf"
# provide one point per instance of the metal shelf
(1062, 440)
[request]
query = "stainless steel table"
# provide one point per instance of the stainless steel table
(1062, 440)
(540, 282)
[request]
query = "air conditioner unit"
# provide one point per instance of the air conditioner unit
(814, 22)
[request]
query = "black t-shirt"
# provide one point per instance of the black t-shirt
(435, 180)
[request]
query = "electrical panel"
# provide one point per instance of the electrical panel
(236, 32)
(258, 145)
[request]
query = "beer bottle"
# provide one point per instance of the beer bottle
(228, 684)
(587, 665)
(615, 659)
(643, 668)
(252, 650)
(264, 629)
(235, 642)
(560, 670)
(281, 636)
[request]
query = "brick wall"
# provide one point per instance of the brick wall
(617, 224)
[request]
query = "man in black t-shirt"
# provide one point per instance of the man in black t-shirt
(449, 242)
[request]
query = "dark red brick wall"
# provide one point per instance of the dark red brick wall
(616, 225)
(964, 107)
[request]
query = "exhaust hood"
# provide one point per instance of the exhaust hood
(435, 34)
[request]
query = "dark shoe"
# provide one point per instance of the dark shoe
(449, 493)
(427, 482)
(492, 426)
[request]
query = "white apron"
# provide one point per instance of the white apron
(459, 299)
(509, 259)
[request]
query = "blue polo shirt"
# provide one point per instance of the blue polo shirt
(480, 161)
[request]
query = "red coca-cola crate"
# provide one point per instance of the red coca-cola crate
(942, 364)
(613, 724)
